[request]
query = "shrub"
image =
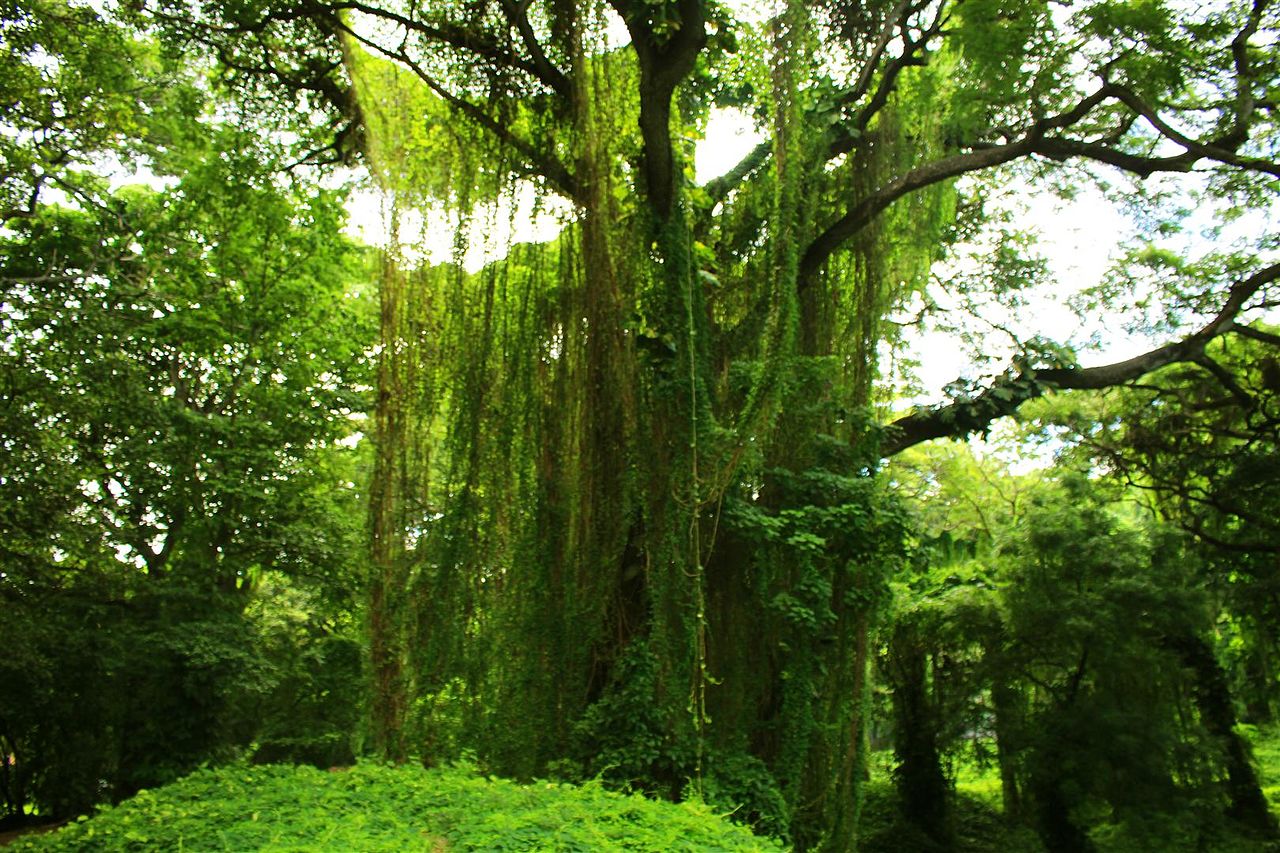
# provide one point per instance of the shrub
(372, 808)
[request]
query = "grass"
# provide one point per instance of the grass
(376, 808)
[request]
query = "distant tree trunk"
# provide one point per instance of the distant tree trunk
(1055, 824)
(1007, 701)
(1248, 805)
(922, 786)
(1054, 804)
(389, 698)
(1259, 686)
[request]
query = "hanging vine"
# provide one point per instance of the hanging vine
(644, 541)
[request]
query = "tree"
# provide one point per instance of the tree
(178, 363)
(1094, 599)
(642, 478)
(942, 655)
(1198, 440)
(1078, 647)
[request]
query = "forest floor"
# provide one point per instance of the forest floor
(229, 804)
(9, 835)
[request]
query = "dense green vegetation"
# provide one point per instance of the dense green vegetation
(382, 808)
(643, 504)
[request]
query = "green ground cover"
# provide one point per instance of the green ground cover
(373, 808)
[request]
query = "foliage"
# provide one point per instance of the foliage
(380, 808)
(179, 362)
(980, 828)
(1054, 626)
(1201, 441)
(625, 509)
(1090, 606)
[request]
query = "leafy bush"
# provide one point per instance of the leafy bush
(373, 808)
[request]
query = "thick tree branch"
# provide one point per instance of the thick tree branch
(664, 62)
(858, 216)
(718, 188)
(868, 208)
(1255, 334)
(459, 37)
(1226, 380)
(913, 54)
(1035, 141)
(1064, 149)
(1152, 481)
(517, 12)
(1008, 393)
(896, 19)
(1222, 150)
(1246, 98)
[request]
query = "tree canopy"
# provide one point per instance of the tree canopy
(627, 513)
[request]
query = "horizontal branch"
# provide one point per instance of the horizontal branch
(1222, 150)
(1008, 393)
(717, 188)
(1256, 334)
(1039, 139)
(858, 216)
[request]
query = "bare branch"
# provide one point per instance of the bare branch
(1008, 393)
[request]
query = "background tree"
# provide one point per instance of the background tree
(178, 364)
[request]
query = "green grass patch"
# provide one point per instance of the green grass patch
(372, 808)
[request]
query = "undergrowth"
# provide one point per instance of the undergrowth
(980, 826)
(373, 808)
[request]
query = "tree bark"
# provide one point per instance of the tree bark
(1007, 703)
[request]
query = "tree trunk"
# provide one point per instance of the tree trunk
(1248, 805)
(922, 786)
(1008, 702)
(389, 699)
(1055, 824)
